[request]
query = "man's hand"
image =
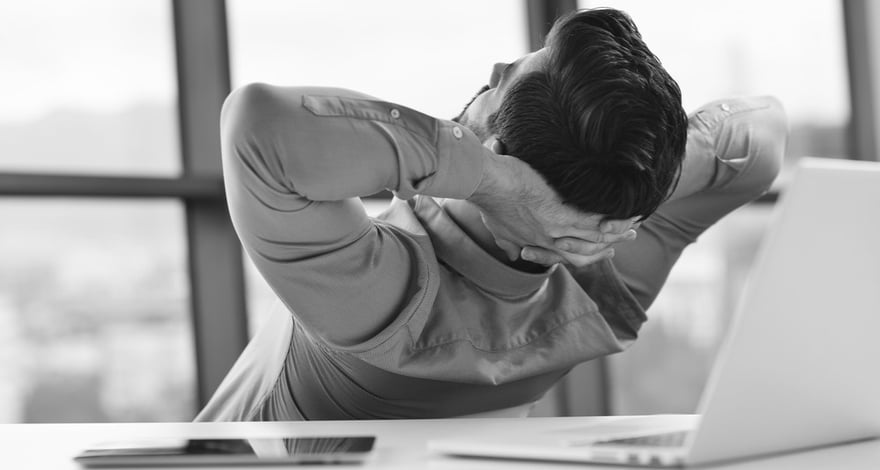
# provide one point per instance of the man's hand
(528, 219)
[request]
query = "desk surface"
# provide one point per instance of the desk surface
(400, 444)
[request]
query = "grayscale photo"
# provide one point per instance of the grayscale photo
(458, 234)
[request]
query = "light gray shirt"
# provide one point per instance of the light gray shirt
(404, 315)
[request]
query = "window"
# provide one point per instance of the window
(714, 50)
(782, 48)
(432, 59)
(93, 88)
(94, 312)
(94, 295)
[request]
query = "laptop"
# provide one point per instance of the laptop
(798, 367)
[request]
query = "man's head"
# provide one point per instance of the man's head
(593, 112)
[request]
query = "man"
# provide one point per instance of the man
(490, 276)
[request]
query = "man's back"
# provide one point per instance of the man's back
(476, 335)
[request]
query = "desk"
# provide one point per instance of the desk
(400, 445)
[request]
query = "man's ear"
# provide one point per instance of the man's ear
(496, 145)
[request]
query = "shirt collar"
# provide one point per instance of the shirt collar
(462, 254)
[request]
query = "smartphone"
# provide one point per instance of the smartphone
(242, 451)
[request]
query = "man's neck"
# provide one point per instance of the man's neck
(467, 216)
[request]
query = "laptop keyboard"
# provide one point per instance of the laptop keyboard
(668, 439)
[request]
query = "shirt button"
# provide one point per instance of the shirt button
(725, 107)
(395, 113)
(456, 131)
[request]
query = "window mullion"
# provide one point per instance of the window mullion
(216, 272)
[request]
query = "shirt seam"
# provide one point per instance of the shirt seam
(344, 113)
(726, 114)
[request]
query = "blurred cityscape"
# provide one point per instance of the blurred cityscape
(94, 295)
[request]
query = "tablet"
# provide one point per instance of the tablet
(235, 451)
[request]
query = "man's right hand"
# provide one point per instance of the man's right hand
(529, 220)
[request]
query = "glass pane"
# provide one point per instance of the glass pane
(430, 57)
(88, 86)
(94, 312)
(785, 48)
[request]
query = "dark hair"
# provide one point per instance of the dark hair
(602, 122)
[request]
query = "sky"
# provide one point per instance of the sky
(105, 55)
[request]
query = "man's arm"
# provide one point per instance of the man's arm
(736, 139)
(734, 152)
(296, 159)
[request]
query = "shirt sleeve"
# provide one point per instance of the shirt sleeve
(744, 141)
(295, 161)
(745, 138)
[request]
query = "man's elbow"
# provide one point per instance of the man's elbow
(243, 112)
